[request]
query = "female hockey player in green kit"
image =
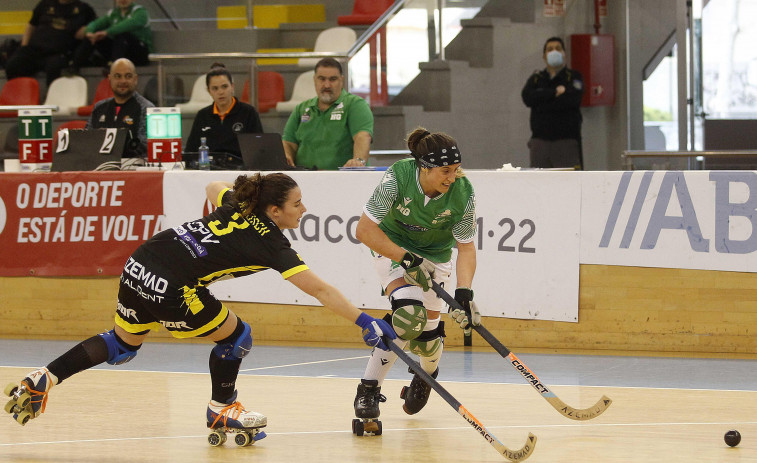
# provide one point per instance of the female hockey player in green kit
(422, 208)
(164, 283)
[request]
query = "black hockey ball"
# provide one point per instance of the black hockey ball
(732, 438)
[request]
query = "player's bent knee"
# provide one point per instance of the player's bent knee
(119, 352)
(236, 346)
(409, 316)
(429, 342)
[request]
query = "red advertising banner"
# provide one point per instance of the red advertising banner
(76, 223)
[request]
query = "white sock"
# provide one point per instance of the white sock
(381, 362)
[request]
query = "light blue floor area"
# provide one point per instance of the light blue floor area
(465, 366)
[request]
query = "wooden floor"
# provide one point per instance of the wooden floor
(131, 416)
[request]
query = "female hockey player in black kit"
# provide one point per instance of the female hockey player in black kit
(164, 283)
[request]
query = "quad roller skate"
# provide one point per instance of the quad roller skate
(29, 398)
(416, 395)
(367, 408)
(233, 418)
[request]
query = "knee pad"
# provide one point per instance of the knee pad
(429, 342)
(408, 313)
(236, 346)
(118, 351)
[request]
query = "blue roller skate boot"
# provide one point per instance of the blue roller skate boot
(28, 399)
(232, 417)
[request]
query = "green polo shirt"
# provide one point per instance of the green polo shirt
(136, 21)
(324, 138)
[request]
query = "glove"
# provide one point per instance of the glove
(418, 272)
(374, 329)
(470, 314)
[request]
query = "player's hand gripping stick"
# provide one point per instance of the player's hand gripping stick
(375, 330)
(469, 315)
(418, 271)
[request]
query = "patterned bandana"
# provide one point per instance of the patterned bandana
(445, 157)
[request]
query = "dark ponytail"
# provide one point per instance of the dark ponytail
(255, 193)
(423, 144)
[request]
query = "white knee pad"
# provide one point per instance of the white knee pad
(408, 313)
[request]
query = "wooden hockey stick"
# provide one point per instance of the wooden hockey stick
(578, 414)
(512, 455)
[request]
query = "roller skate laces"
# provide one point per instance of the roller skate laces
(368, 398)
(29, 399)
(233, 415)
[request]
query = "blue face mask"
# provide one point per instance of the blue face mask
(554, 58)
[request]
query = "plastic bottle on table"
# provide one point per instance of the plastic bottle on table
(203, 160)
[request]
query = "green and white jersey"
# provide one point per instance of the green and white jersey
(425, 226)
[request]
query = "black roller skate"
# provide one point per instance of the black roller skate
(367, 410)
(416, 395)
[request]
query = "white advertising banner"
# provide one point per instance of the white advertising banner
(693, 219)
(527, 241)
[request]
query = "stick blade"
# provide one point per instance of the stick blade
(522, 453)
(580, 414)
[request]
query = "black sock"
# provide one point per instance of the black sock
(223, 376)
(84, 355)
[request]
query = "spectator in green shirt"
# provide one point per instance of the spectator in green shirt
(332, 130)
(123, 33)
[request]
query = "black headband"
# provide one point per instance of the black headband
(445, 157)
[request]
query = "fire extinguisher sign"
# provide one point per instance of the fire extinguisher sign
(554, 7)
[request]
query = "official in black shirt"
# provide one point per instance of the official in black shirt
(220, 122)
(554, 96)
(127, 108)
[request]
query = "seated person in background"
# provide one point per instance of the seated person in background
(124, 33)
(50, 38)
(332, 130)
(126, 109)
(220, 122)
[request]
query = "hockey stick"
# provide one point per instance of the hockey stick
(578, 414)
(512, 455)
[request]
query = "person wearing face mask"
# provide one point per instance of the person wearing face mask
(554, 96)
(332, 130)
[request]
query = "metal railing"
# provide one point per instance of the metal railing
(254, 57)
(25, 106)
(696, 160)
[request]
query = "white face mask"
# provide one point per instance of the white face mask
(555, 58)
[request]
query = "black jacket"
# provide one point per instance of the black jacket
(131, 116)
(554, 118)
(221, 134)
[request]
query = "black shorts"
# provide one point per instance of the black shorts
(184, 312)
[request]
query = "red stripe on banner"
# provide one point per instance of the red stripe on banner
(76, 223)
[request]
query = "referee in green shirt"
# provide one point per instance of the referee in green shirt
(332, 130)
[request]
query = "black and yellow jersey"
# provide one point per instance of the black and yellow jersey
(223, 244)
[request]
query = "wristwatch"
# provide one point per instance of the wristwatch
(360, 160)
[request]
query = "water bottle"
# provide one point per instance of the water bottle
(203, 161)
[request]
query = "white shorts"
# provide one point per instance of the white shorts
(388, 271)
